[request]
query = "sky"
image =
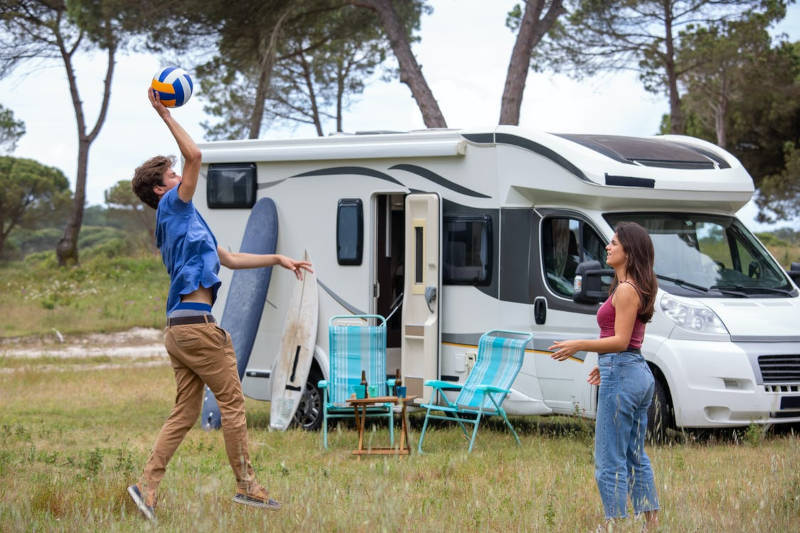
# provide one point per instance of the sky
(464, 53)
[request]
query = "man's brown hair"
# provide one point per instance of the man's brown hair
(148, 175)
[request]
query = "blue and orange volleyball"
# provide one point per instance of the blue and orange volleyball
(174, 86)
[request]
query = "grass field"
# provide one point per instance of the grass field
(102, 294)
(70, 442)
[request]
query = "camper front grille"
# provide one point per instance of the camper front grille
(779, 368)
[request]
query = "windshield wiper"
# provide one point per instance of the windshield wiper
(683, 283)
(733, 290)
(752, 289)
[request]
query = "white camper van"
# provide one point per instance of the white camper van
(470, 231)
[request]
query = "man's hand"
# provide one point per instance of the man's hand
(594, 377)
(155, 101)
(295, 266)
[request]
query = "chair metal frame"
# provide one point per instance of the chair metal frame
(480, 394)
(339, 386)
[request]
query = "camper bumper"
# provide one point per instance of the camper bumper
(719, 384)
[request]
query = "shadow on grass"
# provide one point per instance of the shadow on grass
(569, 427)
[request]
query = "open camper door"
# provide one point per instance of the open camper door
(422, 289)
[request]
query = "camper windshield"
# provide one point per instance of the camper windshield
(709, 255)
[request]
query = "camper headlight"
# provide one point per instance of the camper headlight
(691, 315)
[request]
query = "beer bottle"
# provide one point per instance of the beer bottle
(364, 382)
(397, 382)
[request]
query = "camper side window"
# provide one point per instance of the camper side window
(231, 185)
(567, 242)
(467, 250)
(350, 231)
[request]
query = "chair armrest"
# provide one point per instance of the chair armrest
(437, 384)
(322, 384)
(491, 388)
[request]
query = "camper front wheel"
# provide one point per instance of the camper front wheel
(309, 413)
(659, 415)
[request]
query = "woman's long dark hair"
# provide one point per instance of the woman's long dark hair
(636, 242)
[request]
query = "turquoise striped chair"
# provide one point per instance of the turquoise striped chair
(354, 348)
(489, 382)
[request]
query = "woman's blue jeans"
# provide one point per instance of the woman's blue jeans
(621, 464)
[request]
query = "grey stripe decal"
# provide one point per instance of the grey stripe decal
(540, 343)
(359, 171)
(527, 144)
(462, 338)
(268, 184)
(353, 309)
(439, 180)
(764, 338)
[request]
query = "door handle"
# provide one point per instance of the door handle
(430, 297)
(540, 310)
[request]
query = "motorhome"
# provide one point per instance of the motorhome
(455, 233)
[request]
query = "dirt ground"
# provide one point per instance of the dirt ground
(135, 347)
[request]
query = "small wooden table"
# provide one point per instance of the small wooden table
(360, 406)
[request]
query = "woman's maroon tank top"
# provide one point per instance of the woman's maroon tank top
(605, 319)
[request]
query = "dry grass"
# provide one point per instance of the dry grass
(71, 441)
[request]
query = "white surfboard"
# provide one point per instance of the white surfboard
(296, 353)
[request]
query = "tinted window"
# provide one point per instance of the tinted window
(349, 232)
(467, 250)
(231, 185)
(567, 242)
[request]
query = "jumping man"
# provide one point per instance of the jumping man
(201, 353)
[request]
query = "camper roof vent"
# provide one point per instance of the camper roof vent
(649, 152)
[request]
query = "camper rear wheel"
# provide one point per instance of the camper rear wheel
(659, 415)
(309, 412)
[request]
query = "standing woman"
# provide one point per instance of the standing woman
(626, 383)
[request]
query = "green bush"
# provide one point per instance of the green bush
(770, 239)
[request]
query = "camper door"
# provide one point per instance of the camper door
(422, 289)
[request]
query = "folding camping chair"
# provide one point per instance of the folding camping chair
(353, 348)
(489, 382)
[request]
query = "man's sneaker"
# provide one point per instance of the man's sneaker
(147, 510)
(257, 496)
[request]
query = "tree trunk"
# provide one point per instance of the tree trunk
(67, 247)
(676, 122)
(410, 71)
(340, 76)
(265, 65)
(721, 111)
(531, 31)
(312, 96)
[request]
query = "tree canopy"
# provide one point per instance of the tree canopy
(10, 130)
(35, 30)
(30, 194)
(640, 35)
(743, 93)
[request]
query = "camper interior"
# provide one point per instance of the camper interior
(387, 288)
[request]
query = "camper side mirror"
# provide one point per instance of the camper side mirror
(794, 273)
(591, 282)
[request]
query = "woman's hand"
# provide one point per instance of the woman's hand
(155, 101)
(295, 266)
(563, 350)
(594, 377)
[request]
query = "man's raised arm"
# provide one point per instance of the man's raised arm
(189, 150)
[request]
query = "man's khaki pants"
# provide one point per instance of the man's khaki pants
(202, 354)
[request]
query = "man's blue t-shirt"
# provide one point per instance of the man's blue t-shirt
(188, 248)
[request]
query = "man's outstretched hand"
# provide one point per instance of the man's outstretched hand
(295, 266)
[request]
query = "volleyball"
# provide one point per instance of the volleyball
(174, 86)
